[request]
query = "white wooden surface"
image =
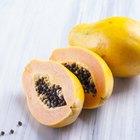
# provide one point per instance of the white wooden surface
(32, 29)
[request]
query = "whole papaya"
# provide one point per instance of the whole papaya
(115, 39)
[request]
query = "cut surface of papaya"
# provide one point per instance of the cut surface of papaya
(92, 71)
(54, 95)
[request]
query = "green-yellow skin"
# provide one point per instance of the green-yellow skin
(115, 39)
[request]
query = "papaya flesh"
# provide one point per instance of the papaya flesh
(54, 95)
(98, 85)
(115, 39)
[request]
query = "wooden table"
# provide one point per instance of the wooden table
(32, 29)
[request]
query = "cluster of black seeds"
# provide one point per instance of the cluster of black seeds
(49, 94)
(84, 76)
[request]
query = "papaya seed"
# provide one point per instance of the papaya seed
(19, 123)
(11, 131)
(2, 133)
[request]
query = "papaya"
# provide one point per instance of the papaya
(54, 95)
(115, 39)
(92, 71)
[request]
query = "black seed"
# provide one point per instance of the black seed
(61, 97)
(11, 131)
(49, 90)
(48, 103)
(59, 101)
(57, 91)
(63, 103)
(19, 123)
(74, 69)
(51, 97)
(53, 86)
(2, 133)
(59, 88)
(55, 97)
(37, 83)
(55, 103)
(40, 91)
(52, 104)
(73, 65)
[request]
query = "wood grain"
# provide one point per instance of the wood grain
(32, 29)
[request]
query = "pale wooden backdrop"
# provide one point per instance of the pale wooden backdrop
(32, 29)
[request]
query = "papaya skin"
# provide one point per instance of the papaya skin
(115, 39)
(78, 93)
(101, 74)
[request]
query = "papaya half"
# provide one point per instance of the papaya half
(54, 95)
(92, 71)
(115, 39)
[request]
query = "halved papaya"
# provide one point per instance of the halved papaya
(92, 71)
(54, 95)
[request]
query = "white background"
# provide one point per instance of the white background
(32, 29)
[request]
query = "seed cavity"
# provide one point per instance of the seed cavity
(51, 95)
(84, 77)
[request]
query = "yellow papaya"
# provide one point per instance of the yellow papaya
(115, 39)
